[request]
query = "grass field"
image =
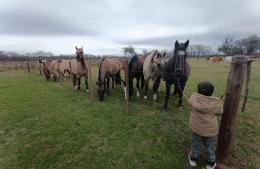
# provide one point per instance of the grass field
(45, 125)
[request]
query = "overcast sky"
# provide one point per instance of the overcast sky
(104, 26)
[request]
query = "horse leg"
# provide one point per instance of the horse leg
(86, 83)
(146, 88)
(79, 82)
(168, 90)
(131, 88)
(61, 77)
(155, 87)
(175, 90)
(142, 81)
(113, 82)
(108, 81)
(74, 81)
(137, 87)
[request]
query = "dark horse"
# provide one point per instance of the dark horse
(176, 71)
(135, 70)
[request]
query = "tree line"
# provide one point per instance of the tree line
(246, 46)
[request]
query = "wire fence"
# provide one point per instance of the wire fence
(122, 104)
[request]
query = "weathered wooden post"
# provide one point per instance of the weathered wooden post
(28, 67)
(126, 87)
(248, 73)
(90, 84)
(231, 103)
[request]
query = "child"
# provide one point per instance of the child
(204, 123)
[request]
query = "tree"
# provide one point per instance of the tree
(227, 46)
(245, 46)
(129, 50)
(200, 50)
(253, 43)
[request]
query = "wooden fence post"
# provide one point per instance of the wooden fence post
(231, 103)
(90, 84)
(28, 67)
(126, 87)
(248, 73)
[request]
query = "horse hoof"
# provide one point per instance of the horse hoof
(145, 97)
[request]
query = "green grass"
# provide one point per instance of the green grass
(44, 125)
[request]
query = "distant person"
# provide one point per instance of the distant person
(204, 123)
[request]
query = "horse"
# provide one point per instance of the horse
(216, 59)
(78, 69)
(107, 68)
(151, 71)
(176, 71)
(228, 59)
(61, 67)
(49, 70)
(135, 70)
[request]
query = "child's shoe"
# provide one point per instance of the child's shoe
(193, 162)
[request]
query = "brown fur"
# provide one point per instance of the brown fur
(108, 68)
(79, 68)
(216, 59)
(50, 70)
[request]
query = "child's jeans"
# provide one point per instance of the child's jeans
(209, 144)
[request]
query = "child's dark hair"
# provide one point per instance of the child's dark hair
(205, 88)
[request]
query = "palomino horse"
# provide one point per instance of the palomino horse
(79, 68)
(216, 59)
(151, 71)
(135, 70)
(176, 71)
(107, 68)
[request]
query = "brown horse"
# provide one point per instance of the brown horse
(60, 67)
(78, 69)
(109, 67)
(49, 70)
(216, 59)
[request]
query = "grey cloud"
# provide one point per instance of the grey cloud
(113, 21)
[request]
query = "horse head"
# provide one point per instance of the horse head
(79, 54)
(180, 56)
(158, 60)
(101, 90)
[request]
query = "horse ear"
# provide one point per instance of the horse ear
(164, 54)
(186, 44)
(76, 48)
(176, 44)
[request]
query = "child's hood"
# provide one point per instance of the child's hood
(206, 104)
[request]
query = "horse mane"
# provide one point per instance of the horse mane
(99, 68)
(83, 62)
